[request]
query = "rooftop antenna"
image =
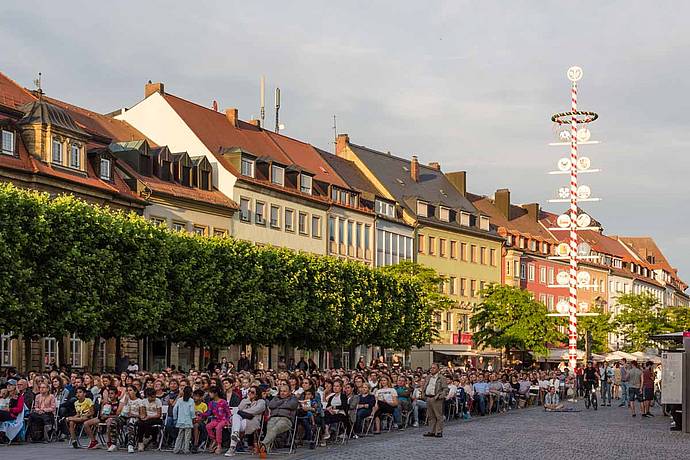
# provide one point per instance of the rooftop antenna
(37, 83)
(335, 133)
(277, 109)
(263, 100)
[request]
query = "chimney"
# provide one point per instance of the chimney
(502, 201)
(231, 114)
(435, 165)
(151, 88)
(414, 168)
(255, 122)
(532, 210)
(340, 143)
(459, 181)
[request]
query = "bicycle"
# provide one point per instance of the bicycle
(590, 396)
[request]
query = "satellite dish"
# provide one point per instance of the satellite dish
(563, 221)
(563, 278)
(563, 306)
(583, 163)
(584, 192)
(583, 220)
(564, 164)
(583, 278)
(563, 249)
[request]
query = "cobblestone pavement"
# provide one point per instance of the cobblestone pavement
(609, 433)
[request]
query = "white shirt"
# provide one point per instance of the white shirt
(430, 389)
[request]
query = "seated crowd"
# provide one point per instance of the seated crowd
(223, 409)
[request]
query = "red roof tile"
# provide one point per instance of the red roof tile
(13, 95)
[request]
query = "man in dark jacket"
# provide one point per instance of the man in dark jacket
(243, 363)
(283, 408)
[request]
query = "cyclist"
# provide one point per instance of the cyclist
(591, 377)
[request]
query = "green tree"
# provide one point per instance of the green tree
(678, 318)
(598, 328)
(640, 317)
(509, 317)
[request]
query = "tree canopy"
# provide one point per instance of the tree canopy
(640, 317)
(70, 267)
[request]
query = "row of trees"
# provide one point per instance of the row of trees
(70, 267)
(509, 318)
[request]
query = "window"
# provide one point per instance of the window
(453, 249)
(530, 272)
(483, 222)
(303, 223)
(289, 220)
(50, 348)
(350, 231)
(444, 214)
(358, 235)
(206, 180)
(422, 209)
(551, 276)
(432, 245)
(482, 255)
(305, 183)
(420, 243)
(532, 245)
(341, 231)
(442, 247)
(8, 142)
(463, 251)
(367, 231)
(179, 226)
(465, 218)
(550, 302)
(331, 229)
(76, 349)
(244, 210)
(57, 151)
(105, 169)
(277, 175)
(385, 208)
(5, 350)
(75, 156)
(451, 285)
(220, 232)
(492, 257)
(316, 226)
(158, 221)
(247, 167)
(473, 253)
(523, 271)
(542, 299)
(463, 287)
(507, 268)
(200, 230)
(516, 271)
(260, 213)
(542, 275)
(449, 321)
(275, 216)
(473, 288)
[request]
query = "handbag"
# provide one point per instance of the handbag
(245, 415)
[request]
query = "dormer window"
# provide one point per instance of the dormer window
(444, 214)
(277, 175)
(8, 142)
(57, 151)
(206, 180)
(247, 167)
(385, 208)
(484, 223)
(105, 169)
(465, 218)
(533, 245)
(166, 170)
(422, 209)
(75, 156)
(305, 184)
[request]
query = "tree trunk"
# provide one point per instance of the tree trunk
(118, 352)
(27, 354)
(94, 353)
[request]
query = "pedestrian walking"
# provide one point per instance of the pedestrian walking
(435, 390)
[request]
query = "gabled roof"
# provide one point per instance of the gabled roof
(394, 174)
(350, 173)
(13, 95)
(42, 112)
(598, 241)
(519, 220)
(217, 133)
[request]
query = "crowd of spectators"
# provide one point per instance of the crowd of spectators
(228, 408)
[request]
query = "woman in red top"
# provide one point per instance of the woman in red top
(16, 403)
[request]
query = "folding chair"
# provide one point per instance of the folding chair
(367, 424)
(13, 429)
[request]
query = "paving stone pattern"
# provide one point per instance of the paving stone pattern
(609, 433)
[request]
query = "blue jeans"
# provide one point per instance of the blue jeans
(624, 393)
(605, 392)
(481, 403)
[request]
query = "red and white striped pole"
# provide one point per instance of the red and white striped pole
(572, 310)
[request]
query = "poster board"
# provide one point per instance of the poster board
(672, 378)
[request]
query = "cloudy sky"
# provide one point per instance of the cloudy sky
(469, 84)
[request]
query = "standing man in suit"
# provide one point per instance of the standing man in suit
(434, 392)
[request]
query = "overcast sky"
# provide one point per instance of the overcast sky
(469, 84)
